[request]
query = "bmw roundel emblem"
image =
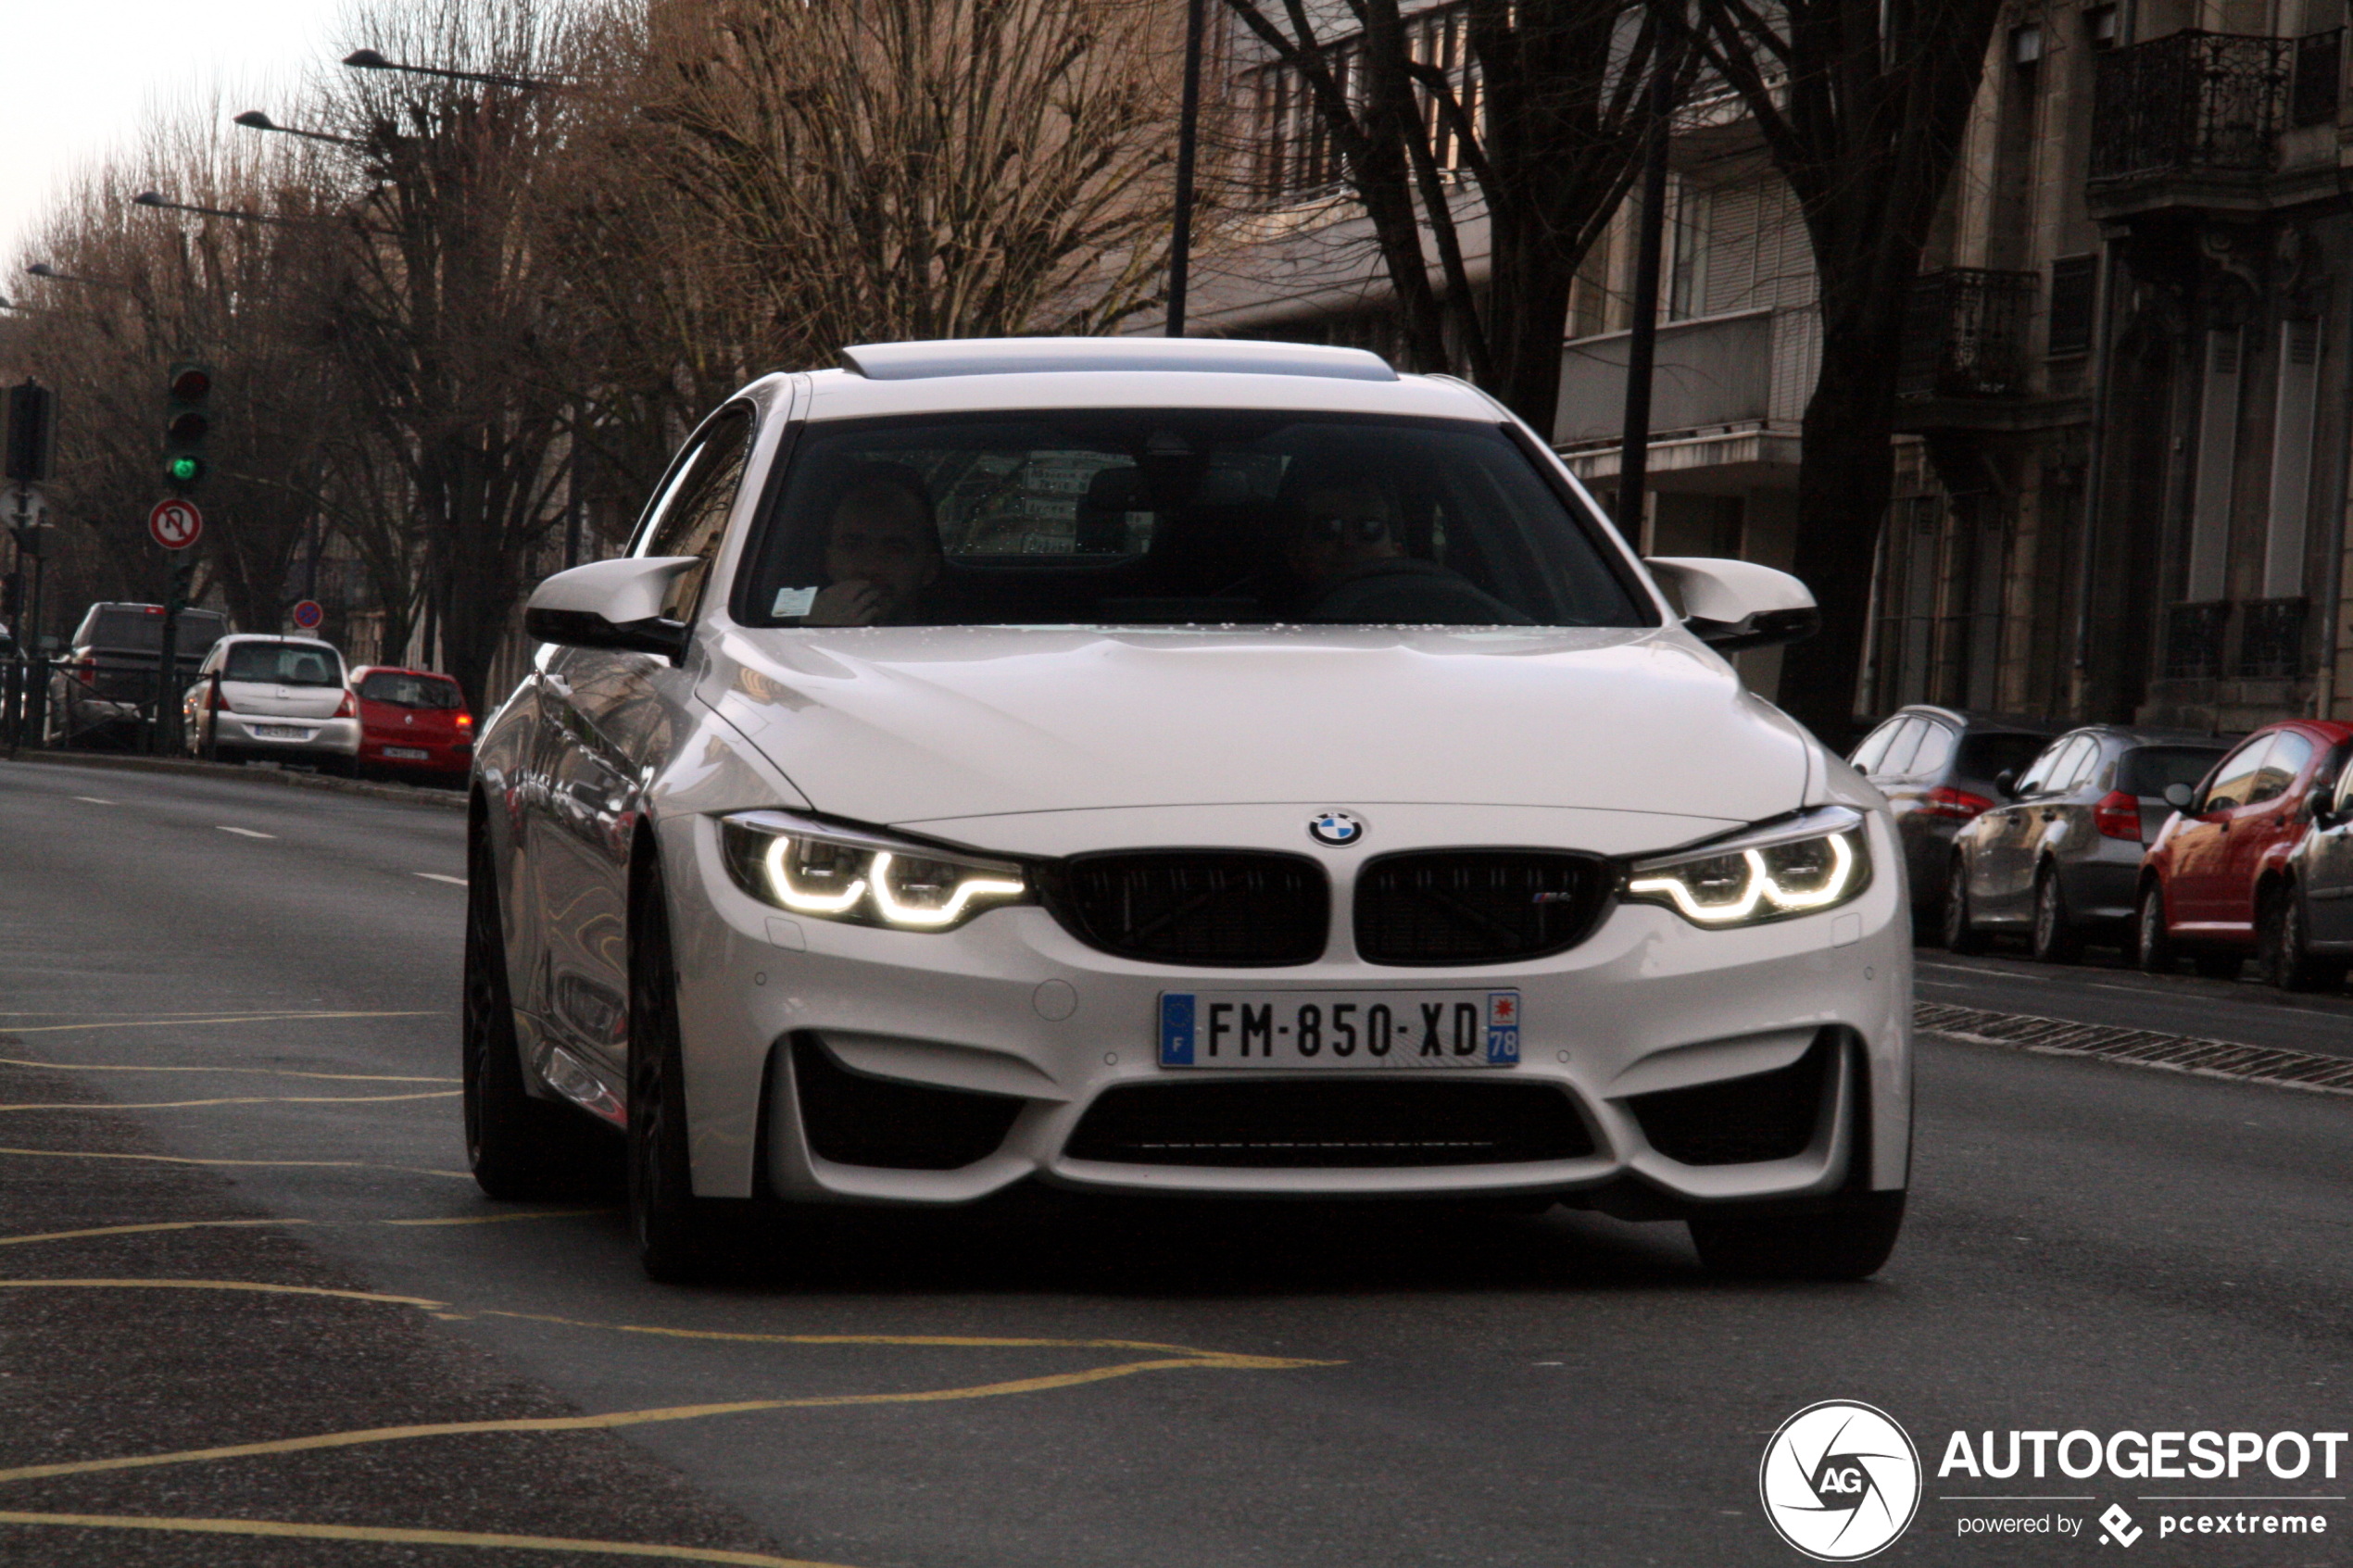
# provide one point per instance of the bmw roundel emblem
(1338, 829)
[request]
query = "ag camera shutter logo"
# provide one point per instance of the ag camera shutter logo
(1839, 1481)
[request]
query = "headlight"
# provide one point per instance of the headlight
(1813, 863)
(865, 879)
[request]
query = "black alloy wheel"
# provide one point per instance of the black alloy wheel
(2057, 939)
(1959, 932)
(519, 1147)
(1848, 1239)
(678, 1234)
(2152, 944)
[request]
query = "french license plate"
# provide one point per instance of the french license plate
(1339, 1029)
(406, 753)
(281, 731)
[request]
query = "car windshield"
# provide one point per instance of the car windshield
(288, 664)
(1991, 756)
(408, 690)
(141, 631)
(1175, 518)
(2151, 770)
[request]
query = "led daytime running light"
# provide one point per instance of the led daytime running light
(966, 891)
(1762, 888)
(779, 867)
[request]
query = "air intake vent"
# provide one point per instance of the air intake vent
(1292, 1124)
(1477, 906)
(1218, 908)
(851, 1118)
(1741, 1121)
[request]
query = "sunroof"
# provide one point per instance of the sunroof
(1032, 356)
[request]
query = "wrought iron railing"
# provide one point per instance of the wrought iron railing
(2193, 638)
(2272, 639)
(2192, 100)
(1965, 333)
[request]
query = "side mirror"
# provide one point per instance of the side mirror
(2179, 795)
(1731, 605)
(610, 604)
(2007, 782)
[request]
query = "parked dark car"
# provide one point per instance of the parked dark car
(1937, 766)
(2304, 925)
(2212, 886)
(104, 686)
(2059, 859)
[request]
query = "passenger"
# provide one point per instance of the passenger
(882, 551)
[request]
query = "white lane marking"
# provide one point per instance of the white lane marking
(94, 800)
(436, 876)
(243, 833)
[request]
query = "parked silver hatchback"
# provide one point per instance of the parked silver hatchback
(276, 697)
(2059, 859)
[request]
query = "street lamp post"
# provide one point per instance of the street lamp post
(154, 199)
(254, 120)
(368, 60)
(1180, 243)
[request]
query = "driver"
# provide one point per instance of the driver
(882, 550)
(1337, 528)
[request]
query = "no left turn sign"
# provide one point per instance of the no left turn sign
(175, 524)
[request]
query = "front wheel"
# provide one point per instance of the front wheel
(1849, 1240)
(2152, 944)
(1959, 929)
(2285, 953)
(2056, 939)
(518, 1147)
(677, 1234)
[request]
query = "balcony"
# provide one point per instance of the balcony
(1727, 395)
(2198, 118)
(1965, 335)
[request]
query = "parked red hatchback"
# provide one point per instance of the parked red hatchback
(2206, 881)
(411, 722)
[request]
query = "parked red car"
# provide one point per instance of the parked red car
(413, 723)
(2209, 884)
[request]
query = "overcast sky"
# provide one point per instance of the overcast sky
(83, 74)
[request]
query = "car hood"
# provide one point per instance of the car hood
(904, 726)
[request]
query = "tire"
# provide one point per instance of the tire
(1849, 1240)
(2056, 937)
(2152, 944)
(680, 1237)
(1961, 935)
(520, 1147)
(2285, 950)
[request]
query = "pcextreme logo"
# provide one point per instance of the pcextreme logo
(1839, 1481)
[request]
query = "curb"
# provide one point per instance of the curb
(442, 799)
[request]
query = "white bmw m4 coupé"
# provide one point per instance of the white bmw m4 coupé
(1179, 768)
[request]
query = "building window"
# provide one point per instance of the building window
(2074, 285)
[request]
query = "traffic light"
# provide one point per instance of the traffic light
(185, 424)
(33, 432)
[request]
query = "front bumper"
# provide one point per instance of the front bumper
(287, 737)
(1011, 1005)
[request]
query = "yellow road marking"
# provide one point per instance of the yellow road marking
(230, 1224)
(613, 1420)
(237, 1100)
(948, 1341)
(288, 1530)
(183, 1159)
(152, 1022)
(254, 1286)
(264, 1072)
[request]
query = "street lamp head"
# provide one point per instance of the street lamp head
(150, 198)
(43, 269)
(254, 120)
(367, 59)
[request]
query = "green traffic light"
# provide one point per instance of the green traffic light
(187, 470)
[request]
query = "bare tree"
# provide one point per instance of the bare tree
(1862, 104)
(1524, 118)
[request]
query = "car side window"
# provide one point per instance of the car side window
(2082, 754)
(2236, 778)
(1867, 756)
(2289, 752)
(692, 515)
(2345, 791)
(1898, 760)
(2030, 780)
(1936, 749)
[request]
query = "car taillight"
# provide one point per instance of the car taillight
(1957, 803)
(215, 701)
(349, 708)
(2117, 815)
(85, 670)
(465, 720)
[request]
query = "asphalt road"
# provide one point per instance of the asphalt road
(241, 1000)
